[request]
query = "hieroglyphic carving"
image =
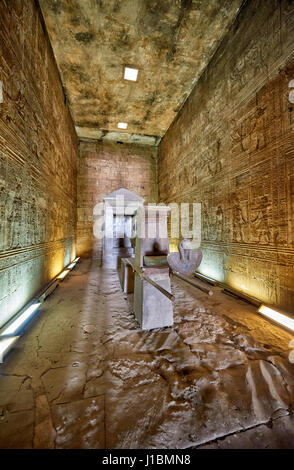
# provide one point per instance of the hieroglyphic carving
(249, 133)
(242, 152)
(38, 160)
(104, 168)
(240, 220)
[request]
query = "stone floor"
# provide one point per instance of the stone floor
(84, 376)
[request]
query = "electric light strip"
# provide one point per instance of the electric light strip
(68, 269)
(48, 291)
(5, 345)
(277, 317)
(14, 326)
(8, 334)
(63, 274)
(207, 279)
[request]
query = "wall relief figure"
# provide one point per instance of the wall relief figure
(250, 132)
(261, 225)
(219, 223)
(240, 220)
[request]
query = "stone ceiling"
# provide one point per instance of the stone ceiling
(169, 41)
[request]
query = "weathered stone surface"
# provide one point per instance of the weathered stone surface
(104, 168)
(126, 137)
(170, 42)
(38, 160)
(44, 432)
(220, 376)
(275, 435)
(16, 394)
(16, 430)
(231, 148)
(59, 391)
(80, 424)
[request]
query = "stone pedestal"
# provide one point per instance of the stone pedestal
(119, 226)
(127, 276)
(152, 308)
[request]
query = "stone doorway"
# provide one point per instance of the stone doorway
(119, 225)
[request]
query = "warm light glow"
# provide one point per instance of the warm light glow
(131, 74)
(277, 317)
(15, 325)
(63, 274)
(122, 125)
(173, 247)
(211, 273)
(5, 345)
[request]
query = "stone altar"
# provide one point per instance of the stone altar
(153, 305)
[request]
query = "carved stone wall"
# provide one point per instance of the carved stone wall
(38, 160)
(105, 167)
(232, 148)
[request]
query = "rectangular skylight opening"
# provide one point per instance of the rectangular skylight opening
(131, 74)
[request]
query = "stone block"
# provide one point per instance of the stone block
(152, 308)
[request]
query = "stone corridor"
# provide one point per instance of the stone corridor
(84, 376)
